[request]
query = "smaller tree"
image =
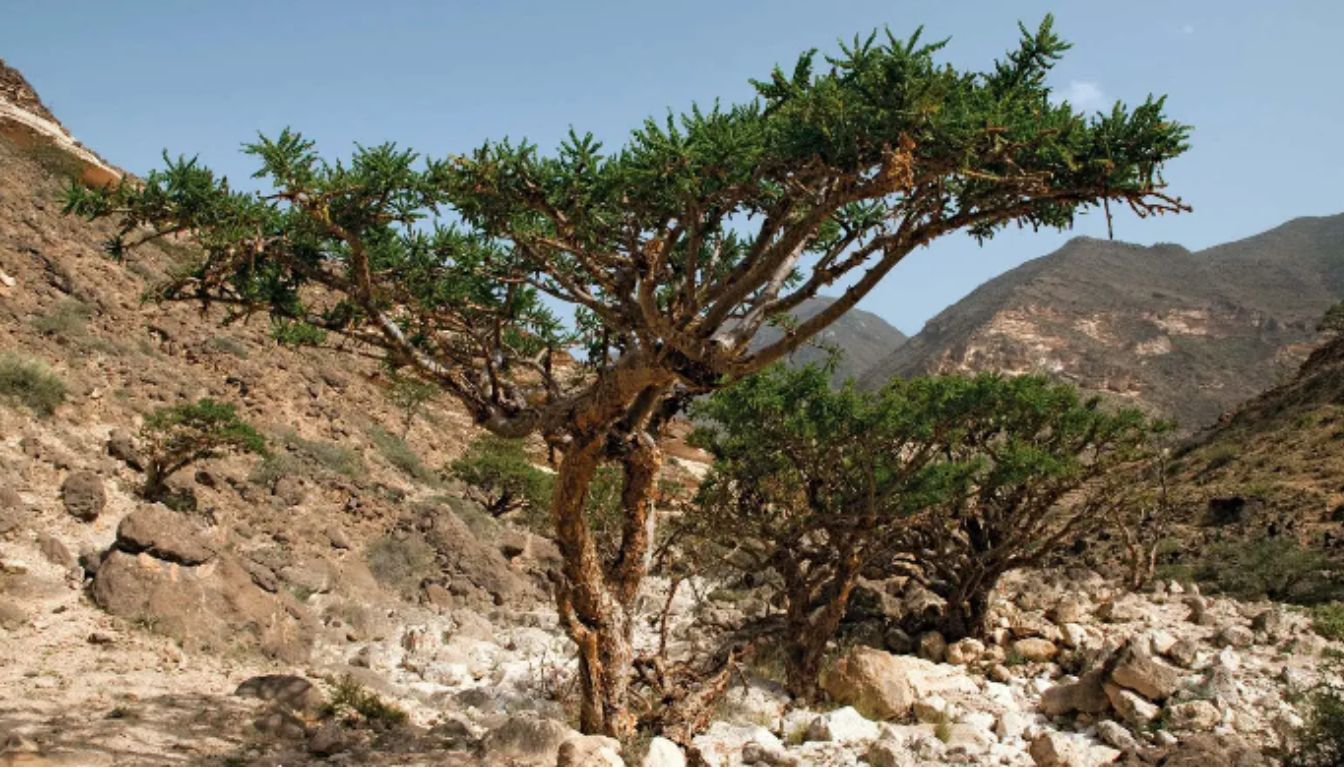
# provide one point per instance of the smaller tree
(498, 469)
(1050, 467)
(179, 435)
(949, 480)
(810, 485)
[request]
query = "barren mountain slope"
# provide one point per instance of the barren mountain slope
(1186, 334)
(1278, 459)
(864, 339)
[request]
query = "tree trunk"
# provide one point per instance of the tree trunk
(967, 610)
(597, 605)
(810, 630)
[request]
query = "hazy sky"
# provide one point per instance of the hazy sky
(1260, 82)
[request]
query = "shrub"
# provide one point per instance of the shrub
(351, 701)
(294, 333)
(54, 160)
(330, 457)
(499, 470)
(400, 455)
(1321, 740)
(400, 561)
(1328, 620)
(1333, 320)
(409, 395)
(230, 345)
(67, 320)
(31, 384)
(1278, 568)
(177, 436)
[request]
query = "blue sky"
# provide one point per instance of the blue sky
(1259, 81)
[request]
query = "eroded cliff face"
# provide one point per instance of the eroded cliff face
(1184, 335)
(28, 125)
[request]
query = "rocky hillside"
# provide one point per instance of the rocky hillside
(1188, 335)
(864, 339)
(1275, 465)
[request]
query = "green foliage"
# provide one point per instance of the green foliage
(230, 345)
(179, 435)
(500, 471)
(950, 480)
(401, 561)
(1327, 620)
(30, 383)
(1277, 568)
(409, 395)
(401, 455)
(1321, 741)
(67, 320)
(296, 333)
(690, 231)
(351, 701)
(330, 457)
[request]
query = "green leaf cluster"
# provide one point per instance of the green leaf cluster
(499, 469)
(675, 247)
(176, 436)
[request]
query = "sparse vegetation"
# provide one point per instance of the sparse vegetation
(401, 455)
(351, 701)
(67, 320)
(1327, 620)
(1278, 568)
(54, 160)
(31, 384)
(1321, 740)
(401, 561)
(177, 436)
(296, 333)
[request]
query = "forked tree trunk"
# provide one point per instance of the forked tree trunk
(597, 603)
(811, 629)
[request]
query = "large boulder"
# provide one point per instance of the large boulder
(163, 534)
(211, 606)
(1134, 668)
(288, 691)
(523, 740)
(83, 495)
(466, 559)
(724, 743)
(1214, 749)
(1055, 748)
(882, 686)
(1086, 694)
(663, 753)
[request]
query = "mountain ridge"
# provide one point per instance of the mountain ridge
(1186, 334)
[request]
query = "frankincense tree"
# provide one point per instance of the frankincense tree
(674, 250)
